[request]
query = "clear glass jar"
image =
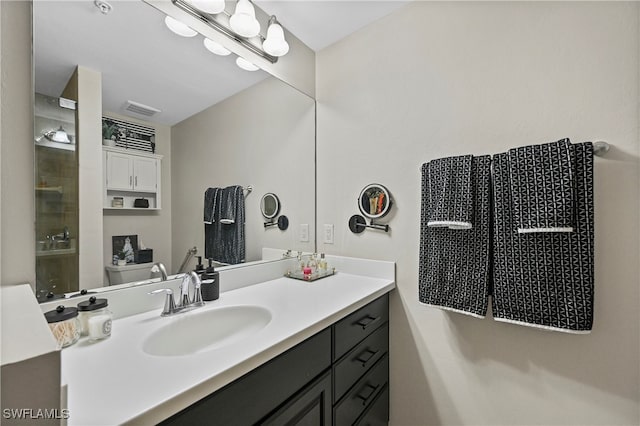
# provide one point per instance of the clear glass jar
(95, 318)
(64, 325)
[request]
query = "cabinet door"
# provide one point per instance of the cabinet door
(119, 171)
(145, 174)
(309, 407)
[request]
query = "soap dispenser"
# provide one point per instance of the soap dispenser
(210, 287)
(199, 267)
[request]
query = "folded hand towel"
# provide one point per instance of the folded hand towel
(228, 208)
(542, 186)
(454, 264)
(544, 280)
(211, 203)
(450, 202)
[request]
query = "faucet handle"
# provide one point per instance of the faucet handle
(185, 300)
(169, 302)
(197, 295)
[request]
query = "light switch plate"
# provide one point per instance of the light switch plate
(328, 233)
(304, 232)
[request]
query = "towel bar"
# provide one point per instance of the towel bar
(600, 148)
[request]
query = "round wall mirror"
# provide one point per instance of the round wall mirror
(374, 201)
(270, 205)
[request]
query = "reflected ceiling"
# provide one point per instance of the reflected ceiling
(182, 78)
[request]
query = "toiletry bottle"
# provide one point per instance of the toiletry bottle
(301, 263)
(313, 263)
(199, 267)
(322, 265)
(210, 286)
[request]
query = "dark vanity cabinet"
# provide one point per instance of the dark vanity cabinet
(337, 377)
(361, 366)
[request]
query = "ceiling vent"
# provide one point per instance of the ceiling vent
(138, 108)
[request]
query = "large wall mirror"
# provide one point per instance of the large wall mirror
(217, 126)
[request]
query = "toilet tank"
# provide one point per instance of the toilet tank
(128, 273)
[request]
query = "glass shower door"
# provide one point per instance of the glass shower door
(56, 196)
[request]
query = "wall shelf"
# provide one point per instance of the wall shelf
(57, 189)
(131, 209)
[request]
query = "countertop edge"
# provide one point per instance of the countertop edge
(166, 409)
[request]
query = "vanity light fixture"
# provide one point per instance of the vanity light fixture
(275, 44)
(208, 6)
(243, 28)
(216, 48)
(246, 65)
(178, 27)
(244, 21)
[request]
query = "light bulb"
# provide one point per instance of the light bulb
(209, 6)
(245, 65)
(275, 44)
(178, 27)
(244, 21)
(216, 48)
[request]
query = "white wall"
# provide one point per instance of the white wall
(264, 137)
(152, 227)
(437, 79)
(85, 87)
(16, 138)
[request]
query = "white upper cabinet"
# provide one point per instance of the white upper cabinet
(145, 174)
(119, 171)
(130, 176)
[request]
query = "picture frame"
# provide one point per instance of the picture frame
(128, 243)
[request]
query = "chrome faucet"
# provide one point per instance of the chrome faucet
(63, 236)
(185, 299)
(169, 303)
(159, 267)
(186, 302)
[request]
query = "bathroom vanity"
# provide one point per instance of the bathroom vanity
(273, 352)
(339, 376)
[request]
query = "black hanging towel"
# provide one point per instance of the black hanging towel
(450, 192)
(225, 237)
(211, 205)
(544, 279)
(542, 180)
(454, 263)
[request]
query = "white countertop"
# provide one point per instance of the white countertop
(114, 381)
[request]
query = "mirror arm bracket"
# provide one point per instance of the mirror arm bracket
(357, 224)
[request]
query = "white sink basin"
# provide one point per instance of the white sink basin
(200, 331)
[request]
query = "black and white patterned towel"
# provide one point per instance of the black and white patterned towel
(225, 242)
(211, 201)
(544, 279)
(454, 263)
(542, 186)
(450, 202)
(229, 202)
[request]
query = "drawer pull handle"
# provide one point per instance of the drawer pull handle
(366, 352)
(365, 399)
(367, 321)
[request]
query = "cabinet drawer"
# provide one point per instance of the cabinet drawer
(378, 412)
(352, 329)
(360, 359)
(363, 394)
